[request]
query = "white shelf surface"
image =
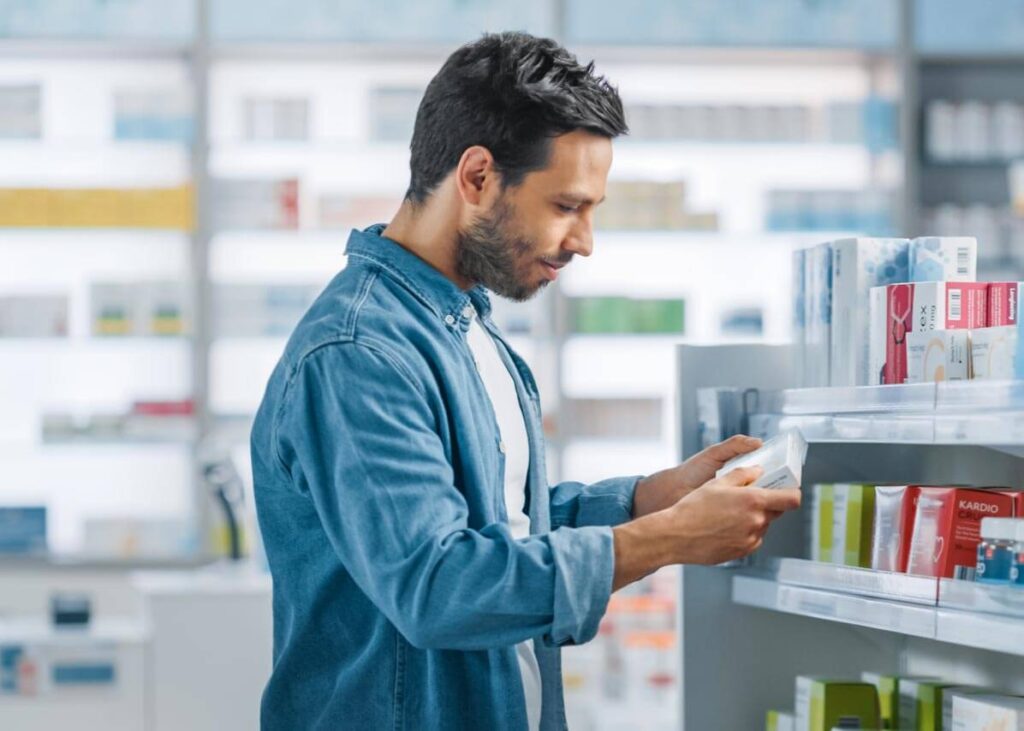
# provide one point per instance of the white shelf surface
(39, 631)
(987, 413)
(985, 616)
(909, 619)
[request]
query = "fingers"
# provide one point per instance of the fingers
(781, 500)
(742, 476)
(733, 447)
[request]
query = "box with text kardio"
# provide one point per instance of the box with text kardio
(922, 307)
(947, 528)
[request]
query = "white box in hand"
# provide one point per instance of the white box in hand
(782, 459)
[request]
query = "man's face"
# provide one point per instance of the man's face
(534, 229)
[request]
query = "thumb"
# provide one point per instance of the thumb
(742, 476)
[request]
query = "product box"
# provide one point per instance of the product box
(947, 528)
(857, 266)
(944, 259)
(853, 515)
(895, 507)
(949, 696)
(822, 504)
(799, 316)
(823, 704)
(1003, 303)
(987, 713)
(994, 353)
(780, 721)
(889, 702)
(938, 355)
(781, 457)
(920, 703)
(818, 320)
(923, 307)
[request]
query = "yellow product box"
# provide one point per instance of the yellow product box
(780, 721)
(853, 524)
(822, 704)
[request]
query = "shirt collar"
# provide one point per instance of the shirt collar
(447, 300)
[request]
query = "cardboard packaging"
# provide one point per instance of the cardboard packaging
(822, 505)
(944, 259)
(818, 320)
(987, 712)
(921, 703)
(939, 355)
(895, 507)
(1003, 303)
(799, 316)
(853, 515)
(857, 266)
(823, 704)
(782, 459)
(923, 307)
(780, 721)
(947, 528)
(994, 353)
(888, 687)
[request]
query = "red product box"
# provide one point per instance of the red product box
(1003, 303)
(947, 528)
(925, 306)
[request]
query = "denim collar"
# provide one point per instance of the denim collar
(446, 299)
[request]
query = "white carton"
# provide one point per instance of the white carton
(994, 353)
(857, 266)
(988, 712)
(938, 355)
(944, 259)
(818, 321)
(877, 312)
(782, 459)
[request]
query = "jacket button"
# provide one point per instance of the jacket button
(449, 320)
(468, 312)
(501, 447)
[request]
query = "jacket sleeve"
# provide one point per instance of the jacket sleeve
(609, 502)
(359, 435)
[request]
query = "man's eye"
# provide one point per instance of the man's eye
(567, 209)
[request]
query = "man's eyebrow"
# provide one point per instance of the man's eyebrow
(580, 199)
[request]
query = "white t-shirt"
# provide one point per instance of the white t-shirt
(502, 391)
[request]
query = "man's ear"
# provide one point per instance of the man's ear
(475, 174)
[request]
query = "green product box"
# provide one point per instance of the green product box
(657, 315)
(889, 687)
(823, 704)
(854, 515)
(825, 521)
(780, 721)
(923, 703)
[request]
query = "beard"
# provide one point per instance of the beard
(491, 254)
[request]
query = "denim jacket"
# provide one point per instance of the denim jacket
(399, 592)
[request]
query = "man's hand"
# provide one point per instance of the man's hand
(723, 520)
(664, 489)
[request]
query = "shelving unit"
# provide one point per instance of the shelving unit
(798, 617)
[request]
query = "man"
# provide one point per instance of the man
(425, 574)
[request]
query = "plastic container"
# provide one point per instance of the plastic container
(997, 549)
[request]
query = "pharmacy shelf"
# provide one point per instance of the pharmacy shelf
(884, 614)
(80, 49)
(979, 413)
(987, 616)
(854, 580)
(970, 614)
(41, 632)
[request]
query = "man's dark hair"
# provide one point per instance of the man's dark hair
(511, 93)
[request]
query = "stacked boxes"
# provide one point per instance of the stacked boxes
(823, 704)
(857, 266)
(922, 308)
